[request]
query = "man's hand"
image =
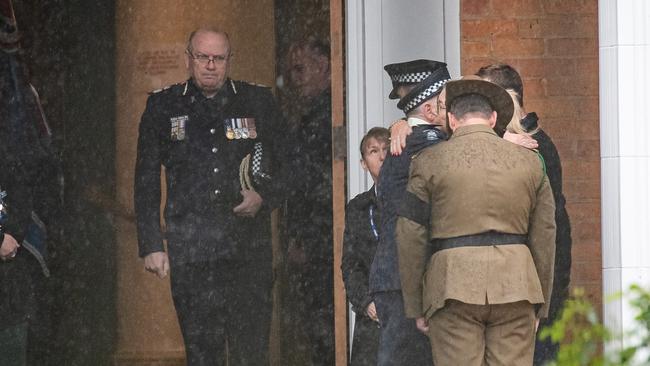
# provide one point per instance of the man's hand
(371, 311)
(158, 263)
(398, 132)
(521, 140)
(8, 248)
(250, 205)
(423, 325)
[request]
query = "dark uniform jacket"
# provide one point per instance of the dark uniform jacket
(544, 348)
(384, 272)
(562, 276)
(192, 137)
(477, 183)
(359, 244)
(30, 176)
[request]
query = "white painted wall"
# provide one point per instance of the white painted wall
(624, 36)
(379, 32)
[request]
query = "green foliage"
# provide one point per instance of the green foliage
(641, 302)
(581, 334)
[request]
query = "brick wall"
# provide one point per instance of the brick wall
(554, 45)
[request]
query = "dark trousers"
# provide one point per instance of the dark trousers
(13, 345)
(365, 342)
(545, 349)
(311, 304)
(224, 310)
(24, 305)
(400, 342)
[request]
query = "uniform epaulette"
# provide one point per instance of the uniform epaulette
(184, 84)
(251, 84)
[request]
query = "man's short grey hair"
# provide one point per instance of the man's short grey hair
(208, 30)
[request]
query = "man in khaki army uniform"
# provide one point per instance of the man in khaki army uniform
(477, 243)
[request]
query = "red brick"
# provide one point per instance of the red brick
(473, 8)
(571, 7)
(588, 65)
(557, 127)
(584, 211)
(587, 129)
(480, 29)
(534, 88)
(585, 250)
(581, 190)
(572, 47)
(580, 169)
(558, 27)
(580, 84)
(593, 291)
(517, 8)
(530, 28)
(586, 231)
(566, 146)
(551, 107)
(543, 67)
(516, 47)
(587, 108)
(588, 148)
(475, 49)
(587, 271)
(472, 65)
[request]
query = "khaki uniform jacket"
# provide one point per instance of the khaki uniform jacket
(476, 183)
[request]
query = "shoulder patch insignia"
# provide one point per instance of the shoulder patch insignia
(253, 84)
(159, 90)
(167, 87)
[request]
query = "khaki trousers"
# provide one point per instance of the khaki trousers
(468, 335)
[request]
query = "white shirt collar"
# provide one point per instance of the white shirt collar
(414, 121)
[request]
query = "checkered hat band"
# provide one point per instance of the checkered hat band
(257, 158)
(424, 95)
(414, 77)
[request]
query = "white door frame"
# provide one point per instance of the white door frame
(379, 32)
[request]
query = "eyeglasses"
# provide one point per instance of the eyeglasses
(205, 59)
(440, 107)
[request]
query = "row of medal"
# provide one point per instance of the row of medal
(240, 128)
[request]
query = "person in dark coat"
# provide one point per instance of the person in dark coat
(308, 218)
(507, 77)
(400, 341)
(29, 204)
(362, 218)
(218, 227)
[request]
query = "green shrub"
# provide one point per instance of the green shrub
(581, 335)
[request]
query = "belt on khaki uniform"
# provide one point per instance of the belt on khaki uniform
(489, 238)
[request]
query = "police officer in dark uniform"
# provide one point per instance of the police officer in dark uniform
(400, 343)
(217, 223)
(30, 207)
(360, 240)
